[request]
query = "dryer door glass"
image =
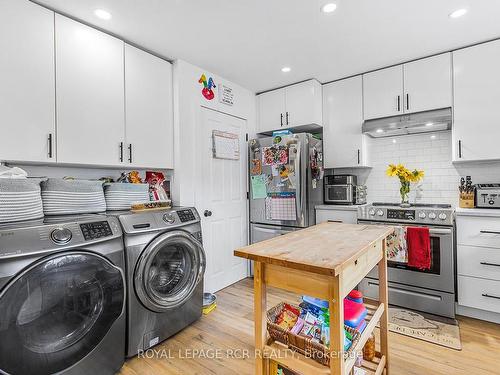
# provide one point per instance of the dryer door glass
(168, 271)
(55, 312)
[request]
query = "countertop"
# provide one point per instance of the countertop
(340, 207)
(324, 248)
(485, 212)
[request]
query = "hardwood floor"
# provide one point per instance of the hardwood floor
(227, 335)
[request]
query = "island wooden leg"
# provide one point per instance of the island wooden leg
(260, 303)
(336, 303)
(384, 298)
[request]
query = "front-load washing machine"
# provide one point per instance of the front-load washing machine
(62, 296)
(165, 264)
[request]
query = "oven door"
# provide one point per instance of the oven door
(441, 275)
(339, 194)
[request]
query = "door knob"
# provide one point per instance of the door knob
(207, 213)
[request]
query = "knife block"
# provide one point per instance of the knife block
(466, 200)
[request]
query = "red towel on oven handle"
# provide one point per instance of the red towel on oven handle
(419, 247)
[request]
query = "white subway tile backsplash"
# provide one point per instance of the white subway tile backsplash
(440, 184)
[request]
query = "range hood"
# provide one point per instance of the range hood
(414, 123)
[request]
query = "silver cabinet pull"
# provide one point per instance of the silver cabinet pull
(399, 103)
(121, 152)
(407, 101)
(490, 296)
(489, 264)
(489, 232)
(49, 140)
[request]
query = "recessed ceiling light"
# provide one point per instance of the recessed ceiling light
(458, 13)
(433, 136)
(394, 141)
(102, 14)
(380, 130)
(329, 8)
(286, 69)
(429, 124)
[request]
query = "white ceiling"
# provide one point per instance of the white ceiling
(249, 41)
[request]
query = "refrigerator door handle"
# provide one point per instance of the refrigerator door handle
(298, 191)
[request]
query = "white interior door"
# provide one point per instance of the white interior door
(221, 201)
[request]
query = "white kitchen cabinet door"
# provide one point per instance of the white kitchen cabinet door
(304, 104)
(383, 93)
(271, 110)
(427, 84)
(27, 91)
(343, 143)
(476, 127)
(90, 95)
(148, 110)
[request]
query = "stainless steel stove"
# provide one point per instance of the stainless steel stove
(433, 290)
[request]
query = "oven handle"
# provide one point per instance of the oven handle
(436, 231)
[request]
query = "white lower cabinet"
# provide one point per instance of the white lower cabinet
(478, 262)
(348, 215)
(90, 95)
(27, 104)
(148, 110)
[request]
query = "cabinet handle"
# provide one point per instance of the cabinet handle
(399, 103)
(49, 139)
(407, 101)
(460, 149)
(359, 156)
(490, 296)
(489, 264)
(121, 152)
(287, 117)
(489, 232)
(281, 115)
(130, 153)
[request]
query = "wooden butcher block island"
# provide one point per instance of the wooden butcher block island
(325, 261)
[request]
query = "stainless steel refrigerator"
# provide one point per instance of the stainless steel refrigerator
(286, 182)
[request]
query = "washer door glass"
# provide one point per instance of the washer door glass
(55, 312)
(168, 271)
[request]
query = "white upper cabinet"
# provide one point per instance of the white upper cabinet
(27, 91)
(304, 104)
(292, 106)
(427, 84)
(476, 127)
(90, 95)
(271, 110)
(343, 143)
(417, 86)
(148, 110)
(383, 93)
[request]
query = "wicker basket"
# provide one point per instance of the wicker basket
(304, 345)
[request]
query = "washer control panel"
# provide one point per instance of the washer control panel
(186, 215)
(95, 230)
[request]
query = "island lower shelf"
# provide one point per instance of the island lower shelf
(279, 353)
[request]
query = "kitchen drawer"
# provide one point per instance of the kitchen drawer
(478, 231)
(479, 262)
(340, 216)
(479, 293)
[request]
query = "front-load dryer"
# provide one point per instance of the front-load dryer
(62, 296)
(165, 264)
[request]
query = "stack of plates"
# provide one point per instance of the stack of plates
(120, 196)
(67, 197)
(19, 200)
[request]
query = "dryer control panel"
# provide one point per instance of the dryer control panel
(95, 230)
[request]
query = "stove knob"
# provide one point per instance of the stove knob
(432, 216)
(169, 218)
(61, 235)
(371, 212)
(442, 216)
(380, 213)
(421, 215)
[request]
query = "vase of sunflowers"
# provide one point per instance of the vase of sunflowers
(405, 178)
